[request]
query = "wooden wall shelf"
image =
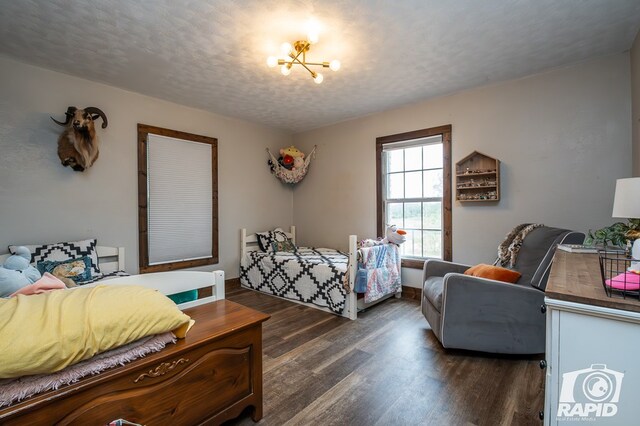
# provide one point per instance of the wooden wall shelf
(478, 178)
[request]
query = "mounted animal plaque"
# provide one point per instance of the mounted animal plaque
(78, 143)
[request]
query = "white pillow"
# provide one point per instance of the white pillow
(64, 251)
(266, 238)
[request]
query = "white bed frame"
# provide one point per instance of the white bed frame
(352, 304)
(111, 259)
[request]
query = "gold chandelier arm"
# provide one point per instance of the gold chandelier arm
(313, 74)
(320, 64)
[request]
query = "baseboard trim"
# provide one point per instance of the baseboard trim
(231, 284)
(413, 293)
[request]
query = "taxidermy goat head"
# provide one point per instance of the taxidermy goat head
(78, 143)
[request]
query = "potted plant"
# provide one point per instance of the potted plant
(617, 234)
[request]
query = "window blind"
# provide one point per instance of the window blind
(392, 146)
(179, 199)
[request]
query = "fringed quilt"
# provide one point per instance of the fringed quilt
(15, 390)
(378, 271)
(318, 276)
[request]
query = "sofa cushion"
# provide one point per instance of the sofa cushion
(493, 273)
(433, 289)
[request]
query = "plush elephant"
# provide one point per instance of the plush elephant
(17, 272)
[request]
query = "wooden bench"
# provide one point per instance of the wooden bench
(209, 377)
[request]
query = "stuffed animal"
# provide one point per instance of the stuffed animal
(395, 236)
(291, 151)
(291, 158)
(286, 162)
(298, 163)
(17, 272)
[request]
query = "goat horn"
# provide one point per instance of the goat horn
(94, 110)
(70, 111)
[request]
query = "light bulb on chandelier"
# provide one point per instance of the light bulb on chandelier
(285, 48)
(272, 61)
(313, 31)
(313, 37)
(285, 70)
(318, 78)
(335, 65)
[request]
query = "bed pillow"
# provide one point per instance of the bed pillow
(78, 270)
(287, 246)
(493, 273)
(266, 239)
(44, 333)
(63, 251)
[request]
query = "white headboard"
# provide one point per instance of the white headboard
(110, 259)
(250, 242)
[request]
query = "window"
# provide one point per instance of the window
(414, 191)
(177, 195)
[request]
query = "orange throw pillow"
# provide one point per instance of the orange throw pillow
(493, 273)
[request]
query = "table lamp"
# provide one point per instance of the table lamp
(626, 204)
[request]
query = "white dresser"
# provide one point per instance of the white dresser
(593, 348)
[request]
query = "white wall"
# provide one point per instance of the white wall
(563, 137)
(635, 96)
(40, 201)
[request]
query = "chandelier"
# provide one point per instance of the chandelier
(297, 55)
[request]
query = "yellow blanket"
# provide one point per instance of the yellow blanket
(47, 332)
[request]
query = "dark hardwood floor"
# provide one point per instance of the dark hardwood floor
(385, 368)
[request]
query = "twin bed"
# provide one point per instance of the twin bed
(68, 397)
(322, 278)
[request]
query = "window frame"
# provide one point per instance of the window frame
(143, 218)
(445, 133)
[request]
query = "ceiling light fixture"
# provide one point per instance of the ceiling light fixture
(297, 55)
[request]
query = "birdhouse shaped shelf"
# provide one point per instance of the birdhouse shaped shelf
(478, 178)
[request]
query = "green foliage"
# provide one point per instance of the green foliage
(615, 234)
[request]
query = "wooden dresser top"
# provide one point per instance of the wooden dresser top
(575, 277)
(220, 318)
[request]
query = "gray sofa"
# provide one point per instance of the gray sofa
(484, 315)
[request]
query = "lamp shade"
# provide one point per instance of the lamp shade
(626, 203)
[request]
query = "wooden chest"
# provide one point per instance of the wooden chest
(207, 378)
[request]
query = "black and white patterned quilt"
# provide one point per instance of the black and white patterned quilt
(317, 276)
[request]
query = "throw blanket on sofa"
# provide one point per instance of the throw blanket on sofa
(509, 248)
(381, 266)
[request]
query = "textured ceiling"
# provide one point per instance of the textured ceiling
(212, 54)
